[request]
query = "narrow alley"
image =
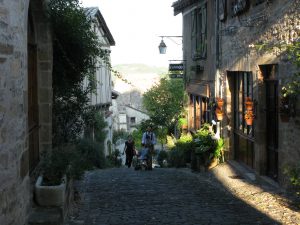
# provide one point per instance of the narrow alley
(122, 196)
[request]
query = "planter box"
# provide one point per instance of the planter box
(50, 195)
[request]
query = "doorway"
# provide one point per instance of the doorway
(271, 97)
(243, 133)
(33, 112)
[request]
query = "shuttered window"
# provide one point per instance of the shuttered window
(199, 32)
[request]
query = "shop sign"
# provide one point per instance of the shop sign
(179, 75)
(176, 67)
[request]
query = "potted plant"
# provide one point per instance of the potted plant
(183, 123)
(288, 97)
(57, 167)
(249, 116)
(205, 146)
(219, 114)
(249, 103)
(220, 102)
(51, 184)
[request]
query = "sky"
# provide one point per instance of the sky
(136, 26)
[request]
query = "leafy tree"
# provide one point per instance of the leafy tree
(75, 48)
(165, 101)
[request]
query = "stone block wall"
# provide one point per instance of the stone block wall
(280, 24)
(14, 182)
(14, 152)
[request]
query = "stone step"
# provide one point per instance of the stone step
(45, 216)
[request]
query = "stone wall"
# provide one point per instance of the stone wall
(14, 154)
(265, 23)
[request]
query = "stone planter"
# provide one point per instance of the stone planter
(50, 195)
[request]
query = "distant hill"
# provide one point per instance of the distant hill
(140, 69)
(141, 76)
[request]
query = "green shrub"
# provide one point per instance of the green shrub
(185, 144)
(113, 159)
(119, 134)
(137, 137)
(204, 141)
(54, 164)
(219, 148)
(176, 158)
(171, 142)
(162, 155)
(293, 172)
(91, 153)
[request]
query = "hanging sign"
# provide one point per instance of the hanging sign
(176, 70)
(176, 67)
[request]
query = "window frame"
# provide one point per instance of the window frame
(199, 32)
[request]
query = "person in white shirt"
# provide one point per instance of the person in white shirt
(148, 141)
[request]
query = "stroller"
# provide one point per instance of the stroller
(141, 159)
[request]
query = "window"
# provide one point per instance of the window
(199, 32)
(238, 7)
(243, 133)
(257, 2)
(243, 89)
(132, 120)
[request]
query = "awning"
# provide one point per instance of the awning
(198, 89)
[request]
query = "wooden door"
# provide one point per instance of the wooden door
(272, 128)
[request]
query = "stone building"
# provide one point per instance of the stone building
(25, 102)
(234, 70)
(127, 118)
(199, 55)
(102, 97)
(268, 145)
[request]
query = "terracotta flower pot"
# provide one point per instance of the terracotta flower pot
(249, 105)
(219, 115)
(184, 126)
(220, 103)
(249, 121)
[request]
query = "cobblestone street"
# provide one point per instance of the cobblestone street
(122, 196)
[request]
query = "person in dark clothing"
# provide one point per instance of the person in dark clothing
(129, 149)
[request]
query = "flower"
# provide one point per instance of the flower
(249, 115)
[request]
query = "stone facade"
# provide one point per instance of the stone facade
(16, 159)
(102, 97)
(199, 55)
(234, 68)
(267, 22)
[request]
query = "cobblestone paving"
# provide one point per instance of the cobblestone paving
(122, 196)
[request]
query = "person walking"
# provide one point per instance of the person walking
(129, 149)
(148, 141)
